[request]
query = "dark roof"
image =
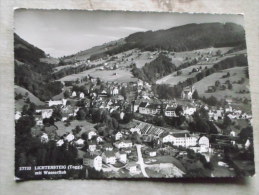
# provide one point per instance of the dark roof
(181, 134)
(170, 109)
(143, 104)
(109, 153)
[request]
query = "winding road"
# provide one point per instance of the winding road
(141, 161)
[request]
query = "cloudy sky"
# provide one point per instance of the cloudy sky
(61, 33)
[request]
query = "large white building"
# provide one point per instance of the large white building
(62, 102)
(180, 139)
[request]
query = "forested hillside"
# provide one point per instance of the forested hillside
(32, 74)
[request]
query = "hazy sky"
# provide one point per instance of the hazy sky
(61, 33)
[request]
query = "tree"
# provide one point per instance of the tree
(226, 121)
(230, 86)
(80, 115)
(66, 94)
(195, 95)
(179, 110)
(124, 92)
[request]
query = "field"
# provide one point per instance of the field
(236, 74)
(122, 75)
(19, 103)
(85, 126)
(173, 79)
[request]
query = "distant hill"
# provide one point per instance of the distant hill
(182, 38)
(189, 37)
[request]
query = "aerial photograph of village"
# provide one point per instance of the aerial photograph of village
(109, 95)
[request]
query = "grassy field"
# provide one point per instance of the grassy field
(236, 74)
(85, 126)
(19, 103)
(173, 79)
(122, 75)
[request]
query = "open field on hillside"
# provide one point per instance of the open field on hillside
(236, 74)
(122, 75)
(19, 103)
(173, 79)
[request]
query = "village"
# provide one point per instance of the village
(123, 130)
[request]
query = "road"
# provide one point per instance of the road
(141, 161)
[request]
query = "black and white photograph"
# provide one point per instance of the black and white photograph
(126, 95)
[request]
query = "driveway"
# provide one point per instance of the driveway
(141, 161)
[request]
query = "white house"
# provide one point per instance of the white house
(99, 139)
(81, 95)
(121, 156)
(45, 112)
(204, 144)
(187, 93)
(118, 136)
(62, 102)
(132, 167)
(123, 144)
(92, 146)
(73, 94)
(109, 157)
(94, 161)
(115, 91)
(70, 137)
(167, 138)
(132, 130)
(143, 108)
(189, 110)
(60, 142)
(44, 138)
(170, 112)
(18, 115)
(80, 142)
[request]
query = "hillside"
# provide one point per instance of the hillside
(31, 73)
(189, 37)
(26, 94)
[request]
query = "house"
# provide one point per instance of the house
(91, 146)
(170, 112)
(18, 115)
(81, 95)
(132, 130)
(118, 136)
(187, 93)
(167, 138)
(204, 144)
(45, 112)
(151, 152)
(99, 139)
(60, 142)
(143, 109)
(70, 137)
(151, 109)
(80, 142)
(114, 91)
(121, 156)
(123, 144)
(91, 134)
(73, 94)
(189, 110)
(109, 157)
(94, 161)
(44, 138)
(107, 147)
(62, 102)
(132, 167)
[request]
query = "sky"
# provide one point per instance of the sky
(65, 32)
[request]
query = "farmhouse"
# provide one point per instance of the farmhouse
(94, 161)
(118, 136)
(62, 102)
(121, 156)
(44, 138)
(45, 112)
(170, 112)
(204, 144)
(70, 137)
(132, 167)
(91, 134)
(143, 109)
(91, 146)
(123, 144)
(81, 95)
(107, 147)
(187, 93)
(109, 157)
